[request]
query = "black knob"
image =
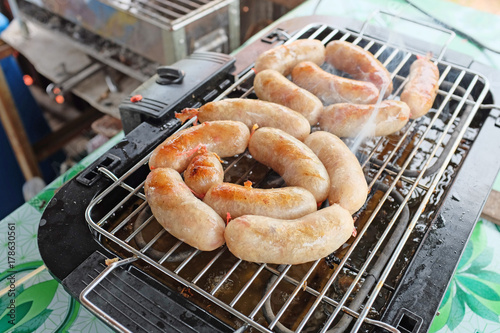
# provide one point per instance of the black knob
(169, 75)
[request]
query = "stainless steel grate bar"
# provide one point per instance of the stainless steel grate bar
(122, 299)
(207, 267)
(302, 285)
(424, 202)
(186, 261)
(318, 31)
(380, 51)
(247, 285)
(191, 4)
(120, 204)
(153, 240)
(312, 309)
(174, 5)
(138, 230)
(329, 36)
(150, 7)
(129, 217)
(415, 150)
(235, 162)
(169, 253)
(269, 292)
(225, 277)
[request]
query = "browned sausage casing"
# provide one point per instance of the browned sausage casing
(348, 120)
(331, 89)
(421, 89)
(271, 86)
(251, 112)
(268, 240)
(348, 185)
(225, 138)
(181, 213)
(291, 159)
(283, 58)
(203, 172)
(287, 202)
(359, 63)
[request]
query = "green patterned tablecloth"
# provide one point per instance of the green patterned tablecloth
(472, 302)
(41, 303)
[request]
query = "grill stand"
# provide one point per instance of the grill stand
(122, 293)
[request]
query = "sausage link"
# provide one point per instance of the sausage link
(331, 89)
(287, 202)
(291, 159)
(204, 171)
(268, 240)
(251, 112)
(271, 86)
(348, 120)
(283, 58)
(348, 186)
(181, 213)
(359, 63)
(421, 89)
(225, 138)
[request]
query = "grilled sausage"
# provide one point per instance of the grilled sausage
(225, 138)
(283, 58)
(421, 89)
(181, 213)
(203, 172)
(287, 202)
(269, 85)
(291, 159)
(348, 186)
(359, 63)
(349, 120)
(268, 240)
(251, 112)
(331, 89)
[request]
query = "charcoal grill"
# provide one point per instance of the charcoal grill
(428, 184)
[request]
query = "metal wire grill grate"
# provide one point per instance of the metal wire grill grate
(167, 12)
(407, 173)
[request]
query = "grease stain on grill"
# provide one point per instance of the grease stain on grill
(248, 169)
(244, 167)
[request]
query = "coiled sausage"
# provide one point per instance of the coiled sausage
(291, 159)
(284, 57)
(287, 202)
(348, 186)
(268, 240)
(204, 171)
(271, 86)
(348, 120)
(331, 89)
(421, 90)
(225, 138)
(181, 213)
(251, 112)
(359, 63)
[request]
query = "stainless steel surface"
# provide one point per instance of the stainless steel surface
(422, 23)
(15, 13)
(162, 31)
(90, 287)
(64, 58)
(428, 136)
(73, 80)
